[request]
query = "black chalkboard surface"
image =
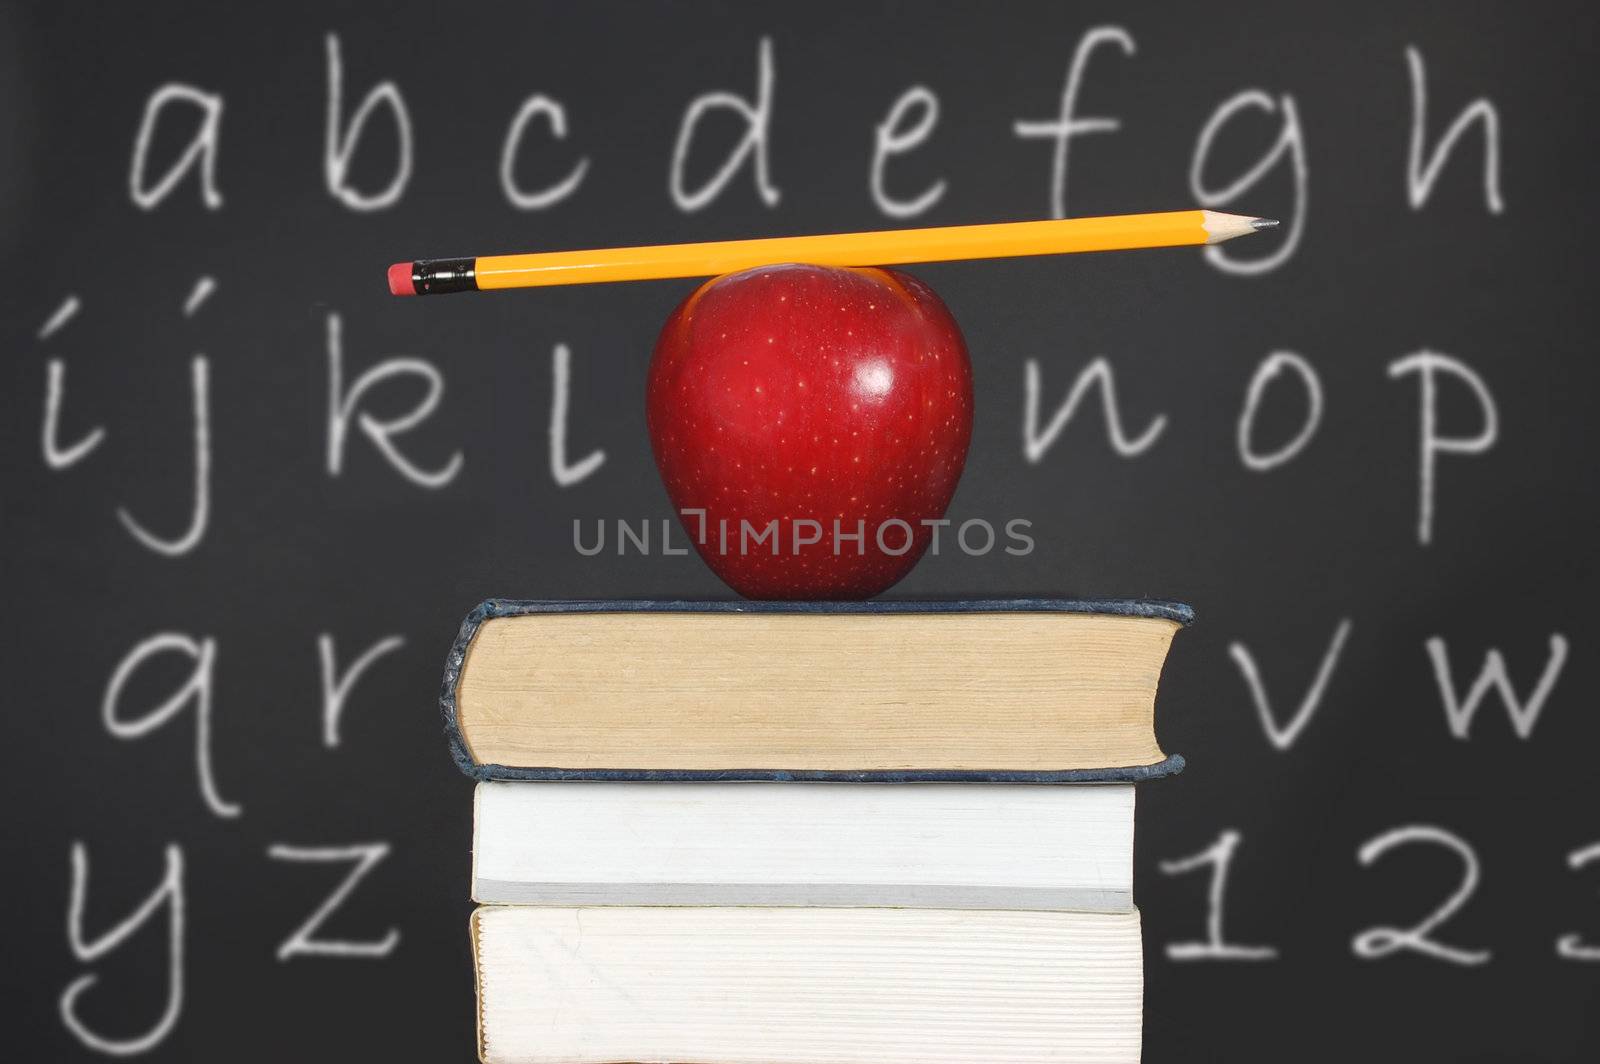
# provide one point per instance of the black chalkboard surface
(249, 496)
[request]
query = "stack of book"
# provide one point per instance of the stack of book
(739, 832)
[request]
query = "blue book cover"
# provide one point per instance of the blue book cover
(1179, 614)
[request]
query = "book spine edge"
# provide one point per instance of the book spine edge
(459, 751)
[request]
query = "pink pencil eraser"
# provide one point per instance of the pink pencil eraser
(400, 280)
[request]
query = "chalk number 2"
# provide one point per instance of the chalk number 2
(1373, 943)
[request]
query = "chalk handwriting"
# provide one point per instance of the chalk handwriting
(202, 291)
(556, 116)
(169, 895)
(1067, 124)
(1459, 712)
(336, 688)
(758, 121)
(339, 146)
(1426, 364)
(1291, 143)
(1219, 856)
(1572, 947)
(1378, 942)
(200, 509)
(197, 688)
(1270, 369)
(1098, 372)
(1420, 177)
(55, 455)
(59, 318)
(342, 407)
(1284, 736)
(564, 474)
(201, 153)
(303, 941)
(890, 140)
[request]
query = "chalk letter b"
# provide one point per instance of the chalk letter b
(340, 146)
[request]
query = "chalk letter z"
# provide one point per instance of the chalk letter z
(302, 942)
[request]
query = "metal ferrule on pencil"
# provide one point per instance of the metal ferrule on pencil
(437, 276)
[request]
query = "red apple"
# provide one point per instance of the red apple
(806, 396)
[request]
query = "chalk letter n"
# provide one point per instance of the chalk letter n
(1098, 372)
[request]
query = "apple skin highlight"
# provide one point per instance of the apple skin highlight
(813, 397)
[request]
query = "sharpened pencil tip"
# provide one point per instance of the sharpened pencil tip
(1263, 223)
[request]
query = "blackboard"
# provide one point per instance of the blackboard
(1410, 514)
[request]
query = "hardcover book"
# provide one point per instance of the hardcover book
(844, 986)
(1007, 690)
(922, 845)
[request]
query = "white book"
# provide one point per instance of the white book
(947, 846)
(754, 985)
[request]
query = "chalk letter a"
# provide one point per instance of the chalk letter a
(198, 688)
(201, 152)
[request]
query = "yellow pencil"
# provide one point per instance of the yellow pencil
(885, 248)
